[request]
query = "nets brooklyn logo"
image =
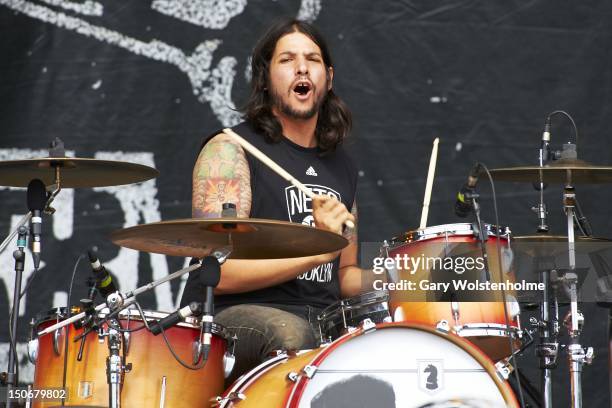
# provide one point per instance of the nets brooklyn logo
(299, 208)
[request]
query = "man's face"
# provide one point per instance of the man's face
(298, 80)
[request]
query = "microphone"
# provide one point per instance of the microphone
(104, 280)
(545, 146)
(210, 274)
(36, 198)
(192, 309)
(463, 205)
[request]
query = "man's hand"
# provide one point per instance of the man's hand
(330, 214)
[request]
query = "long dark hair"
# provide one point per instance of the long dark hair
(334, 120)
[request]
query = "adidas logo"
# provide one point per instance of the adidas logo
(311, 172)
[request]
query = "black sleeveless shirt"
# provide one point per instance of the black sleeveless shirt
(274, 198)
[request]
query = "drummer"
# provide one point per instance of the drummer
(294, 116)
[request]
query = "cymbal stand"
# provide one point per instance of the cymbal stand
(577, 355)
(547, 349)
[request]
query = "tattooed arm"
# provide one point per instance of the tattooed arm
(221, 174)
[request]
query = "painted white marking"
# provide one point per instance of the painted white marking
(213, 14)
(88, 8)
(97, 84)
(309, 10)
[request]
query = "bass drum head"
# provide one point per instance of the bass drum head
(399, 365)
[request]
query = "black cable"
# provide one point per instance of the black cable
(557, 112)
(499, 259)
(178, 359)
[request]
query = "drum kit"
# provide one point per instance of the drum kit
(377, 349)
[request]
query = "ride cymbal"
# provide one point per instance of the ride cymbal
(251, 238)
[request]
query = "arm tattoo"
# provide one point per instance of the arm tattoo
(351, 233)
(221, 175)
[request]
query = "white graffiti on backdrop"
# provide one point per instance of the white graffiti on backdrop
(214, 14)
(88, 8)
(210, 85)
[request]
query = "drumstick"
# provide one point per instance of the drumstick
(430, 178)
(275, 167)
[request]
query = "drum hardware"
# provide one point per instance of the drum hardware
(443, 326)
(10, 379)
(162, 397)
(503, 369)
(115, 367)
(567, 170)
(229, 360)
(351, 314)
(229, 398)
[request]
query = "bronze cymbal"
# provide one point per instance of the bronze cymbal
(74, 172)
(545, 245)
(546, 238)
(251, 238)
(558, 171)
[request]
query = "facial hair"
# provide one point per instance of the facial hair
(287, 110)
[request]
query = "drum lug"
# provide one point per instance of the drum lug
(32, 350)
(309, 371)
(443, 326)
(367, 325)
(196, 351)
(126, 342)
(233, 396)
(56, 338)
(293, 376)
(229, 360)
(503, 368)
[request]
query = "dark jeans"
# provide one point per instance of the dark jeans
(261, 329)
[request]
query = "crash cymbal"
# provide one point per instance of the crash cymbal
(74, 172)
(251, 238)
(556, 172)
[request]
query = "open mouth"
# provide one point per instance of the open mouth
(302, 88)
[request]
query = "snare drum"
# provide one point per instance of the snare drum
(341, 317)
(477, 315)
(393, 365)
(155, 379)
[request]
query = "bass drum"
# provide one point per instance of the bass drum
(388, 365)
(156, 379)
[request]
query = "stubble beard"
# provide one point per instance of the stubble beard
(279, 103)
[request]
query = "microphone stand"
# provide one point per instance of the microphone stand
(19, 255)
(481, 233)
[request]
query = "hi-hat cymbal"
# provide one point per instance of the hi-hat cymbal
(251, 238)
(558, 171)
(545, 245)
(546, 238)
(74, 172)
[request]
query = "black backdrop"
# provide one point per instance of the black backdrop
(142, 81)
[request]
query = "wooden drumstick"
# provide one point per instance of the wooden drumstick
(430, 177)
(275, 167)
